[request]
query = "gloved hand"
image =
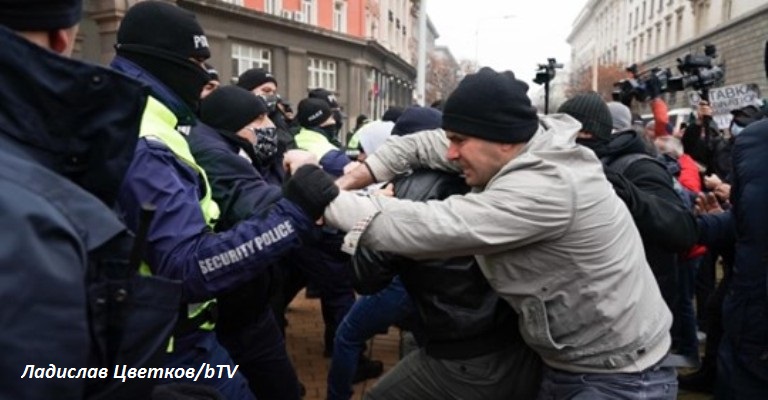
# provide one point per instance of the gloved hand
(311, 189)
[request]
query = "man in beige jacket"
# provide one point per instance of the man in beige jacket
(548, 231)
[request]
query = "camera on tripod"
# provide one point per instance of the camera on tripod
(698, 71)
(642, 85)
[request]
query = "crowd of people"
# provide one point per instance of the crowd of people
(163, 221)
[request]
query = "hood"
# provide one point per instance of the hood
(76, 119)
(621, 143)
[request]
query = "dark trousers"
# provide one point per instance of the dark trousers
(258, 347)
(329, 272)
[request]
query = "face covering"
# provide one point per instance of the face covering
(339, 120)
(271, 100)
(736, 129)
(266, 145)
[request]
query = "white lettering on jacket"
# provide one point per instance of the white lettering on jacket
(247, 249)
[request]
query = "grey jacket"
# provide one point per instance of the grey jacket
(550, 235)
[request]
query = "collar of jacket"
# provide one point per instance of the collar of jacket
(77, 119)
(183, 114)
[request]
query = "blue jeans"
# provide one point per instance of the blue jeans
(192, 350)
(369, 315)
(655, 383)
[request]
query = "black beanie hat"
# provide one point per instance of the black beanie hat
(231, 108)
(157, 26)
(594, 115)
(392, 114)
(326, 95)
(254, 78)
(313, 112)
(415, 119)
(40, 15)
(160, 38)
(492, 106)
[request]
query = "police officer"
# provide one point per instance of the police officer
(62, 158)
(164, 47)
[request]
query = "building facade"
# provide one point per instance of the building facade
(654, 33)
(306, 44)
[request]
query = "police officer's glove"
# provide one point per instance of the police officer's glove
(311, 189)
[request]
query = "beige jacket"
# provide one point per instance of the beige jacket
(551, 237)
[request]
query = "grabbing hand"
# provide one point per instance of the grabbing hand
(706, 203)
(705, 110)
(387, 190)
(295, 159)
(311, 189)
(712, 181)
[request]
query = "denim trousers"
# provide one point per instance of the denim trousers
(655, 383)
(367, 317)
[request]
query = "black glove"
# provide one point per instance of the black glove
(311, 189)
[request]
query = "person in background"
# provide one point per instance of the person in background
(213, 83)
(354, 140)
(262, 83)
(235, 144)
(338, 116)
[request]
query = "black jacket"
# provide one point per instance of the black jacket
(461, 315)
(63, 155)
(666, 226)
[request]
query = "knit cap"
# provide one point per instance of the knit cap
(590, 109)
(493, 106)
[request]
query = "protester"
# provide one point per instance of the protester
(548, 231)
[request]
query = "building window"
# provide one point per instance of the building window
(668, 32)
(273, 6)
(650, 10)
(629, 25)
(309, 9)
(322, 74)
(247, 57)
(679, 28)
(661, 6)
(340, 16)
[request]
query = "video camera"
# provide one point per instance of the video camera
(642, 85)
(697, 71)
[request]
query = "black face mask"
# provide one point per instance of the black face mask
(271, 100)
(328, 131)
(265, 148)
(339, 120)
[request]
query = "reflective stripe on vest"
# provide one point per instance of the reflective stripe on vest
(157, 124)
(313, 142)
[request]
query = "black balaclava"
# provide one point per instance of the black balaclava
(162, 38)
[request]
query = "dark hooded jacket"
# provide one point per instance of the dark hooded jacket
(62, 159)
(745, 310)
(666, 226)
